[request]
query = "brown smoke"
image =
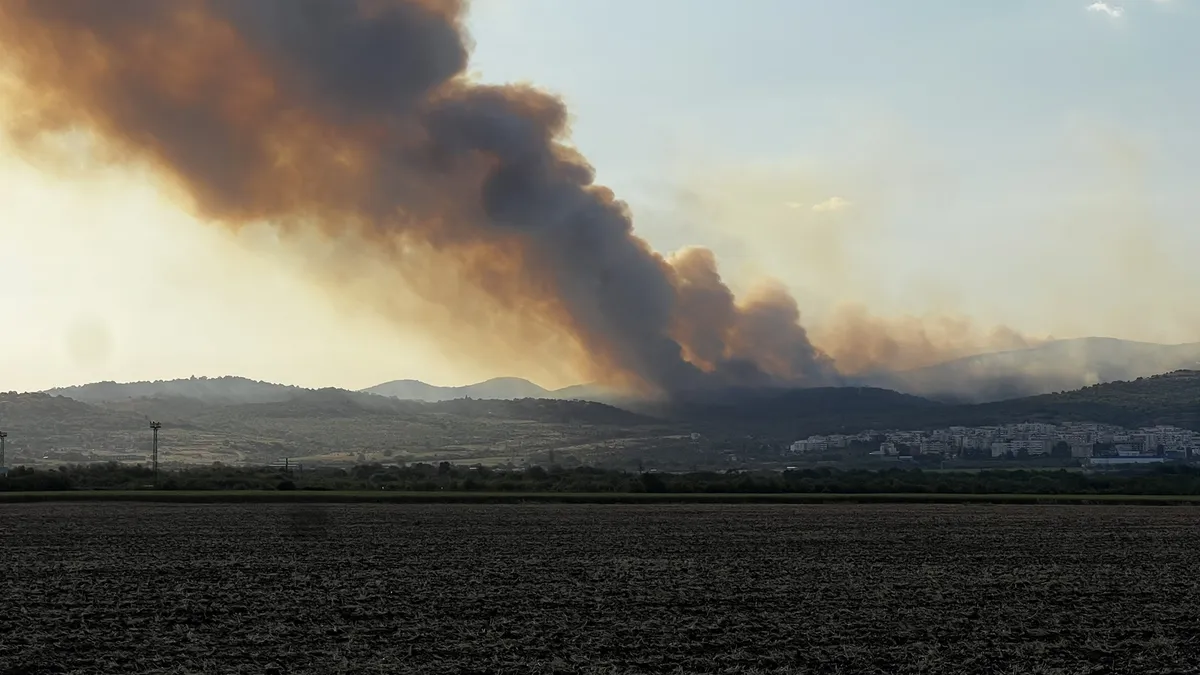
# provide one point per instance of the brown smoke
(862, 343)
(356, 116)
(783, 218)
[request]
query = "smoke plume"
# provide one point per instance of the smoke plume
(356, 116)
(863, 344)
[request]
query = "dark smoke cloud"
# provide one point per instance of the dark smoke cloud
(357, 116)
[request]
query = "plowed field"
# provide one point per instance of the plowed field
(110, 588)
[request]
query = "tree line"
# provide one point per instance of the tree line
(1167, 479)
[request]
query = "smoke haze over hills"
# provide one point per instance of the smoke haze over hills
(1060, 365)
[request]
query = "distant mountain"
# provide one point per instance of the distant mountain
(186, 397)
(218, 390)
(497, 389)
(500, 388)
(1060, 365)
(592, 392)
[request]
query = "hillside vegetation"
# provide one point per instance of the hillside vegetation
(1054, 366)
(226, 389)
(328, 425)
(339, 426)
(1172, 398)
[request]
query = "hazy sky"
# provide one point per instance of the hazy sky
(1025, 163)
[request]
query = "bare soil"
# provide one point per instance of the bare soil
(439, 588)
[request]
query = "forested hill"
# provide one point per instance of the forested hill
(1172, 398)
(228, 390)
(797, 413)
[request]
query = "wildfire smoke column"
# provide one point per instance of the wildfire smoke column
(357, 117)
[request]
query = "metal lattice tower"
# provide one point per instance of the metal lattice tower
(155, 426)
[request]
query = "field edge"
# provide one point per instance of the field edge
(386, 497)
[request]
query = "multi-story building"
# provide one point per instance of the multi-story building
(935, 447)
(1081, 449)
(1033, 438)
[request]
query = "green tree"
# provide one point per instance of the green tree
(652, 482)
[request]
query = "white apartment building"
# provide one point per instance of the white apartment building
(1033, 447)
(1081, 449)
(1033, 438)
(934, 448)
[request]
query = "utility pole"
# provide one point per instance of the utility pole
(155, 426)
(3, 435)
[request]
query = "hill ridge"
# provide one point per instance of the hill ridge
(1056, 365)
(225, 387)
(335, 422)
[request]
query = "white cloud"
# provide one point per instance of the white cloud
(831, 205)
(1104, 8)
(828, 206)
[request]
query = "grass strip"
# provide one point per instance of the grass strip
(444, 497)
